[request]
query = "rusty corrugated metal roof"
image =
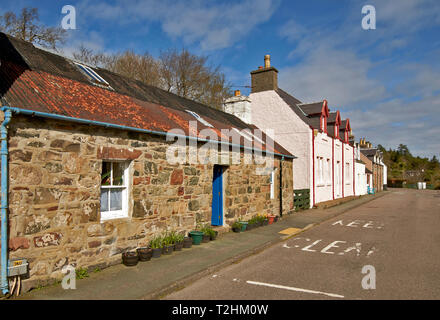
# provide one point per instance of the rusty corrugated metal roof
(34, 79)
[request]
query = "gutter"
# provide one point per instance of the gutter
(281, 186)
(127, 128)
(313, 163)
(4, 202)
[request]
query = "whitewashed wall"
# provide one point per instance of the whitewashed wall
(324, 185)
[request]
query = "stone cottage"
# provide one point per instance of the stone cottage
(92, 169)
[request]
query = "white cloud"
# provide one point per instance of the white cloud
(210, 24)
(388, 101)
(338, 76)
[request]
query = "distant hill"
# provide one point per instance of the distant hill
(402, 165)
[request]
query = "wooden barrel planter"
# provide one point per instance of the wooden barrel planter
(130, 258)
(187, 242)
(144, 254)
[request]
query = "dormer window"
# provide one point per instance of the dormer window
(92, 75)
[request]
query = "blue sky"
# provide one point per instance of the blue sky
(387, 81)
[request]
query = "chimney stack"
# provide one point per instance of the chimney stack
(264, 79)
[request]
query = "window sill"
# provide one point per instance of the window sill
(117, 216)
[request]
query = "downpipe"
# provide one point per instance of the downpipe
(4, 202)
(281, 186)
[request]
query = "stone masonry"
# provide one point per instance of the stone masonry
(54, 194)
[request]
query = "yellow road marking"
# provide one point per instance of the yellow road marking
(290, 231)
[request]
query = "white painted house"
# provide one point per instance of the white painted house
(320, 140)
(360, 172)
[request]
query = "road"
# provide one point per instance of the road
(398, 235)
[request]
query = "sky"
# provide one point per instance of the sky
(385, 80)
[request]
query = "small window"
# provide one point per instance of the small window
(92, 75)
(347, 173)
(199, 118)
(272, 185)
(322, 123)
(336, 131)
(114, 181)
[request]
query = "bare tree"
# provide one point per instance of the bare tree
(88, 56)
(179, 72)
(26, 27)
(189, 76)
(139, 67)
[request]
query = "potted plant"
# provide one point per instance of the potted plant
(213, 234)
(156, 245)
(236, 226)
(178, 241)
(144, 253)
(265, 220)
(187, 242)
(270, 218)
(196, 236)
(206, 233)
(168, 244)
(243, 225)
(252, 223)
(130, 258)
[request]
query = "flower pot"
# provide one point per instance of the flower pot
(178, 246)
(243, 225)
(144, 253)
(236, 229)
(206, 238)
(187, 242)
(214, 236)
(168, 249)
(157, 253)
(130, 259)
(265, 222)
(271, 219)
(196, 237)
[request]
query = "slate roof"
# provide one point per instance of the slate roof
(308, 112)
(369, 152)
(34, 79)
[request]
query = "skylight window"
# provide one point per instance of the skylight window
(92, 75)
(199, 118)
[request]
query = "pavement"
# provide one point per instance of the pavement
(157, 278)
(384, 249)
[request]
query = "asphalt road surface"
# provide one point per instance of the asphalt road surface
(398, 235)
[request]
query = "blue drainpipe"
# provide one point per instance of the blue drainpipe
(4, 202)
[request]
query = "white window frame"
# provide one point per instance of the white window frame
(329, 173)
(272, 185)
(347, 173)
(92, 74)
(199, 118)
(123, 213)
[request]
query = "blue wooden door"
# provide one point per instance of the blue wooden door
(217, 196)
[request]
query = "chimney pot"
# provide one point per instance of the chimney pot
(267, 61)
(260, 67)
(237, 93)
